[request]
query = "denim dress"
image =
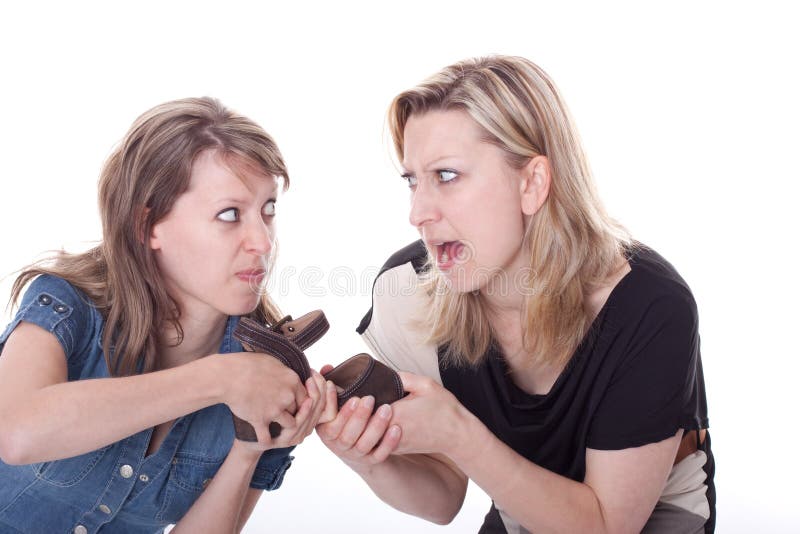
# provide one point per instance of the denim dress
(117, 488)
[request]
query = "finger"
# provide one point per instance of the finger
(319, 389)
(312, 388)
(294, 435)
(331, 431)
(411, 382)
(319, 379)
(376, 427)
(262, 434)
(315, 386)
(300, 393)
(319, 403)
(389, 443)
(326, 368)
(303, 418)
(331, 406)
(316, 413)
(357, 423)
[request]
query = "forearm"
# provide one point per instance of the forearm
(541, 500)
(71, 418)
(419, 484)
(220, 504)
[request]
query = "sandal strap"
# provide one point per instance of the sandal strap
(303, 331)
(262, 339)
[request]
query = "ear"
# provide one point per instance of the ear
(152, 239)
(535, 184)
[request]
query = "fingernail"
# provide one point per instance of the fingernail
(384, 411)
(368, 401)
(353, 403)
(394, 431)
(330, 385)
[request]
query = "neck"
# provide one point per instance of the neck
(202, 335)
(504, 294)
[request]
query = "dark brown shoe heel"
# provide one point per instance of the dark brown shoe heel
(285, 340)
(363, 375)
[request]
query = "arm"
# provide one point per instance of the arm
(617, 495)
(221, 503)
(427, 485)
(227, 502)
(250, 501)
(43, 417)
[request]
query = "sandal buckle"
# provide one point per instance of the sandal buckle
(277, 326)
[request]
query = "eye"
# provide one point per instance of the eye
(446, 175)
(229, 215)
(410, 179)
(269, 208)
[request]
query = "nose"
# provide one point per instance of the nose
(424, 206)
(259, 238)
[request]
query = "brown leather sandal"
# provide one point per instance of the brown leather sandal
(285, 340)
(363, 375)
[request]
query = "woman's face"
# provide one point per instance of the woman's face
(465, 199)
(213, 246)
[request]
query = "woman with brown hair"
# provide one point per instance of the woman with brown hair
(547, 356)
(117, 368)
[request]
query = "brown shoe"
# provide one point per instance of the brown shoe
(363, 375)
(285, 340)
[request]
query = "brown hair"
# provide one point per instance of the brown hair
(139, 184)
(574, 245)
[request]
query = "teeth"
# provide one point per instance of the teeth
(445, 256)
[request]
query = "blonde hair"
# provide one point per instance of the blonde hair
(574, 245)
(139, 184)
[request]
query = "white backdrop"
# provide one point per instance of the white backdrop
(688, 111)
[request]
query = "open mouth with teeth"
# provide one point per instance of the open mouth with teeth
(448, 253)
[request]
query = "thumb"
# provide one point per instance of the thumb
(413, 383)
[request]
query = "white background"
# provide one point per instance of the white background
(688, 111)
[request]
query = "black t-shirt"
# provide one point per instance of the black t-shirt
(636, 378)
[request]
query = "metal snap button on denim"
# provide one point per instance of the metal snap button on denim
(144, 478)
(45, 300)
(126, 471)
(105, 509)
(80, 529)
(60, 308)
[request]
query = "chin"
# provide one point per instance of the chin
(460, 280)
(242, 307)
(476, 278)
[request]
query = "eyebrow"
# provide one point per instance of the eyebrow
(430, 164)
(234, 200)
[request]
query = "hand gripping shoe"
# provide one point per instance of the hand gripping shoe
(285, 340)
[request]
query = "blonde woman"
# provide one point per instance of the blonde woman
(117, 368)
(547, 356)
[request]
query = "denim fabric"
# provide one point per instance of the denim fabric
(116, 489)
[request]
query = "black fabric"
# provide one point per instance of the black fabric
(711, 492)
(636, 378)
(492, 523)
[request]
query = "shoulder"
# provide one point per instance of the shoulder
(60, 308)
(56, 294)
(393, 327)
(401, 268)
(655, 288)
(652, 319)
